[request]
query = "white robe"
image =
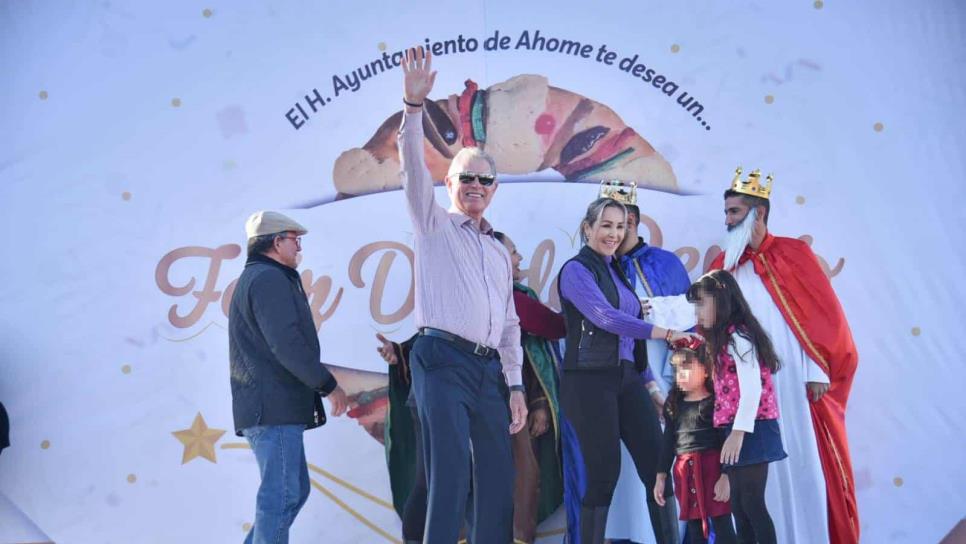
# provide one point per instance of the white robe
(795, 493)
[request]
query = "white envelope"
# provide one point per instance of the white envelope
(671, 313)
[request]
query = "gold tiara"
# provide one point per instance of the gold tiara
(615, 189)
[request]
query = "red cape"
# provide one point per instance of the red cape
(804, 295)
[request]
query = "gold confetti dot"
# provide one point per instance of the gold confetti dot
(45, 444)
(125, 196)
(131, 478)
(126, 369)
(819, 4)
(176, 102)
(246, 526)
(382, 46)
(769, 99)
(42, 95)
(799, 199)
(675, 48)
(916, 331)
(878, 127)
(898, 481)
(206, 12)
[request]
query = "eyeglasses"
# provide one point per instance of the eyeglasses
(297, 239)
(485, 179)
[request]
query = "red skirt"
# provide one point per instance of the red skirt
(694, 477)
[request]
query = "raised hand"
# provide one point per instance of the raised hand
(417, 65)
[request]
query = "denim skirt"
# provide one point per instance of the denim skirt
(762, 446)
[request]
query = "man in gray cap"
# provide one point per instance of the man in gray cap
(277, 379)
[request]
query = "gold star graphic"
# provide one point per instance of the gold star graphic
(199, 440)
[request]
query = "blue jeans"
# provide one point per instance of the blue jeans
(285, 481)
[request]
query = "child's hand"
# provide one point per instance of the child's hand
(722, 489)
(732, 447)
(658, 399)
(659, 488)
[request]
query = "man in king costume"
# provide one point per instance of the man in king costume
(811, 494)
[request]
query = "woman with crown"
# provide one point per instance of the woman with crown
(602, 397)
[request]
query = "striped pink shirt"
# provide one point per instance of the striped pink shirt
(464, 278)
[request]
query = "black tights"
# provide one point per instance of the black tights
(724, 532)
(748, 504)
(605, 407)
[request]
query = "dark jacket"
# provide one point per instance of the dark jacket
(587, 345)
(276, 374)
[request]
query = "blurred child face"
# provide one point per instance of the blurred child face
(704, 309)
(690, 376)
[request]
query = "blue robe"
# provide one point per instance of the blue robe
(666, 276)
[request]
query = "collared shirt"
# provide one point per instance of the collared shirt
(464, 278)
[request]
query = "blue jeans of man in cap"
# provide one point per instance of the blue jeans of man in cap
(285, 486)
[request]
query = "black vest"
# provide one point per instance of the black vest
(588, 346)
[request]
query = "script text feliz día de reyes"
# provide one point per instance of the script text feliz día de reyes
(324, 296)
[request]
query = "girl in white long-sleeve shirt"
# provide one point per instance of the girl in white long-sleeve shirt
(745, 403)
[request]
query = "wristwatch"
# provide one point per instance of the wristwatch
(517, 388)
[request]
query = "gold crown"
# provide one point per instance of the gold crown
(615, 189)
(752, 186)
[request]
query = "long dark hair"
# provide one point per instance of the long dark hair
(679, 357)
(731, 310)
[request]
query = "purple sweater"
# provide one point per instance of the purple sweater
(577, 285)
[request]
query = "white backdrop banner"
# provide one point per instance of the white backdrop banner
(137, 137)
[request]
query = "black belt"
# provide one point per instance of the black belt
(459, 341)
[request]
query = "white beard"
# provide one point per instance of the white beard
(736, 240)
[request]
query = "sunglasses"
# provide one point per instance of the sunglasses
(485, 179)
